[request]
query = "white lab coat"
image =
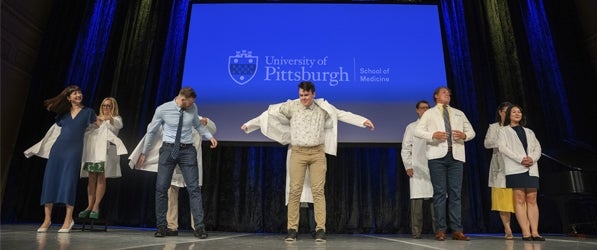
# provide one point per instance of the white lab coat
(276, 126)
(512, 151)
(497, 170)
(413, 156)
(432, 121)
(96, 150)
(153, 154)
(94, 147)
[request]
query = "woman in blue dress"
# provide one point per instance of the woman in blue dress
(64, 162)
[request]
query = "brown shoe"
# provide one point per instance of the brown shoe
(440, 235)
(458, 235)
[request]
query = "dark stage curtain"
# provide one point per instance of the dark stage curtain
(133, 50)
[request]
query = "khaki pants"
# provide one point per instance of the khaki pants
(172, 215)
(302, 158)
(416, 215)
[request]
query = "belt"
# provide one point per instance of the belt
(308, 147)
(182, 145)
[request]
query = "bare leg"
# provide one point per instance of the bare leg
(100, 190)
(533, 211)
(505, 216)
(47, 215)
(91, 189)
(68, 218)
(521, 211)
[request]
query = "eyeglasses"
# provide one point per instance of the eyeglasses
(106, 106)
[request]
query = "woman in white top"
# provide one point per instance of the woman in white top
(99, 171)
(520, 151)
(502, 199)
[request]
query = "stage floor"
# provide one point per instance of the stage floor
(24, 236)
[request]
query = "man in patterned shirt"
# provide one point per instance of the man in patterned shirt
(310, 126)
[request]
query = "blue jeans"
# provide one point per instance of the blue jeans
(446, 178)
(187, 161)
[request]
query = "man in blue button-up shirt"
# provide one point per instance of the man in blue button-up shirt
(167, 116)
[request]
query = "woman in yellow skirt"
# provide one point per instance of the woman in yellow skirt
(502, 199)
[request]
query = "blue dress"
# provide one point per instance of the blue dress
(64, 162)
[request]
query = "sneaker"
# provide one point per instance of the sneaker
(291, 235)
(161, 232)
(170, 232)
(200, 233)
(320, 235)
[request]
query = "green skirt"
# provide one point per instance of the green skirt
(94, 167)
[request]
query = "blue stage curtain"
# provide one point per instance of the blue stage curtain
(463, 88)
(170, 70)
(88, 56)
(547, 73)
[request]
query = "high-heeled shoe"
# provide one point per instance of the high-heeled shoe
(44, 229)
(67, 230)
(94, 215)
(83, 214)
(509, 236)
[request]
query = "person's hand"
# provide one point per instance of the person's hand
(410, 172)
(140, 161)
(440, 135)
(204, 121)
(527, 161)
(369, 124)
(244, 127)
(458, 135)
(214, 142)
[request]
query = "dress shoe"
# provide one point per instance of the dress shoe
(67, 230)
(84, 214)
(527, 238)
(440, 235)
(161, 231)
(44, 229)
(94, 215)
(537, 238)
(458, 235)
(200, 233)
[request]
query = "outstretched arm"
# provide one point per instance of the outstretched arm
(354, 119)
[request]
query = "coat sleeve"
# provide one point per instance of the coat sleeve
(421, 130)
(407, 147)
(491, 137)
(534, 146)
(505, 147)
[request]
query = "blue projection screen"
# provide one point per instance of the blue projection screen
(375, 60)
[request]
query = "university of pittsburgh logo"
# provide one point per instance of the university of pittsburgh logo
(242, 67)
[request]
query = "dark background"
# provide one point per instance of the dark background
(541, 54)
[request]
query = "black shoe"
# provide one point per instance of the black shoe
(320, 235)
(537, 238)
(161, 232)
(291, 235)
(200, 233)
(170, 232)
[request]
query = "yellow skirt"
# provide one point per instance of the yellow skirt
(502, 199)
